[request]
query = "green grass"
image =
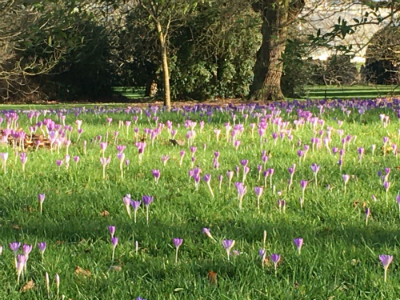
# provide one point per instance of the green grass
(349, 92)
(130, 93)
(340, 253)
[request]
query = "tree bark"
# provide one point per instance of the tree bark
(165, 68)
(268, 68)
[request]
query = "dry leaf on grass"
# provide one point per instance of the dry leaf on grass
(104, 213)
(177, 142)
(28, 286)
(82, 271)
(212, 277)
(266, 261)
(116, 268)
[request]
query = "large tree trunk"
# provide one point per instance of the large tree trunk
(165, 68)
(268, 68)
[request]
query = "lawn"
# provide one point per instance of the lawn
(325, 172)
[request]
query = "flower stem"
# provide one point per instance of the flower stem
(176, 255)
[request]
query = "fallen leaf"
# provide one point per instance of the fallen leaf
(116, 268)
(212, 277)
(177, 142)
(266, 261)
(104, 213)
(81, 271)
(16, 227)
(28, 286)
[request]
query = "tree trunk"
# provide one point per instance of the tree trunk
(165, 68)
(268, 67)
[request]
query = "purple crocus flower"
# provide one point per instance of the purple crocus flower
(292, 169)
(275, 259)
(228, 245)
(386, 260)
(23, 157)
(135, 205)
(41, 200)
(242, 190)
(298, 243)
(114, 242)
(156, 174)
(246, 171)
(26, 250)
(147, 201)
(164, 159)
(207, 177)
(207, 232)
(20, 265)
(303, 184)
(42, 248)
(300, 153)
(258, 190)
(361, 151)
(193, 150)
(244, 162)
(220, 178)
(315, 168)
(346, 179)
(271, 172)
(177, 242)
(15, 247)
(103, 146)
(386, 185)
(237, 170)
(111, 229)
(127, 202)
(262, 253)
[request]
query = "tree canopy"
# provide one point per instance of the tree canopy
(191, 49)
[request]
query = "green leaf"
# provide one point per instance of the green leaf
(49, 41)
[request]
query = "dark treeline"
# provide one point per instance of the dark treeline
(69, 50)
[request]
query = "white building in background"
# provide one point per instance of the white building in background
(325, 15)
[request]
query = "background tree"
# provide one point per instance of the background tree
(53, 48)
(276, 16)
(166, 15)
(383, 56)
